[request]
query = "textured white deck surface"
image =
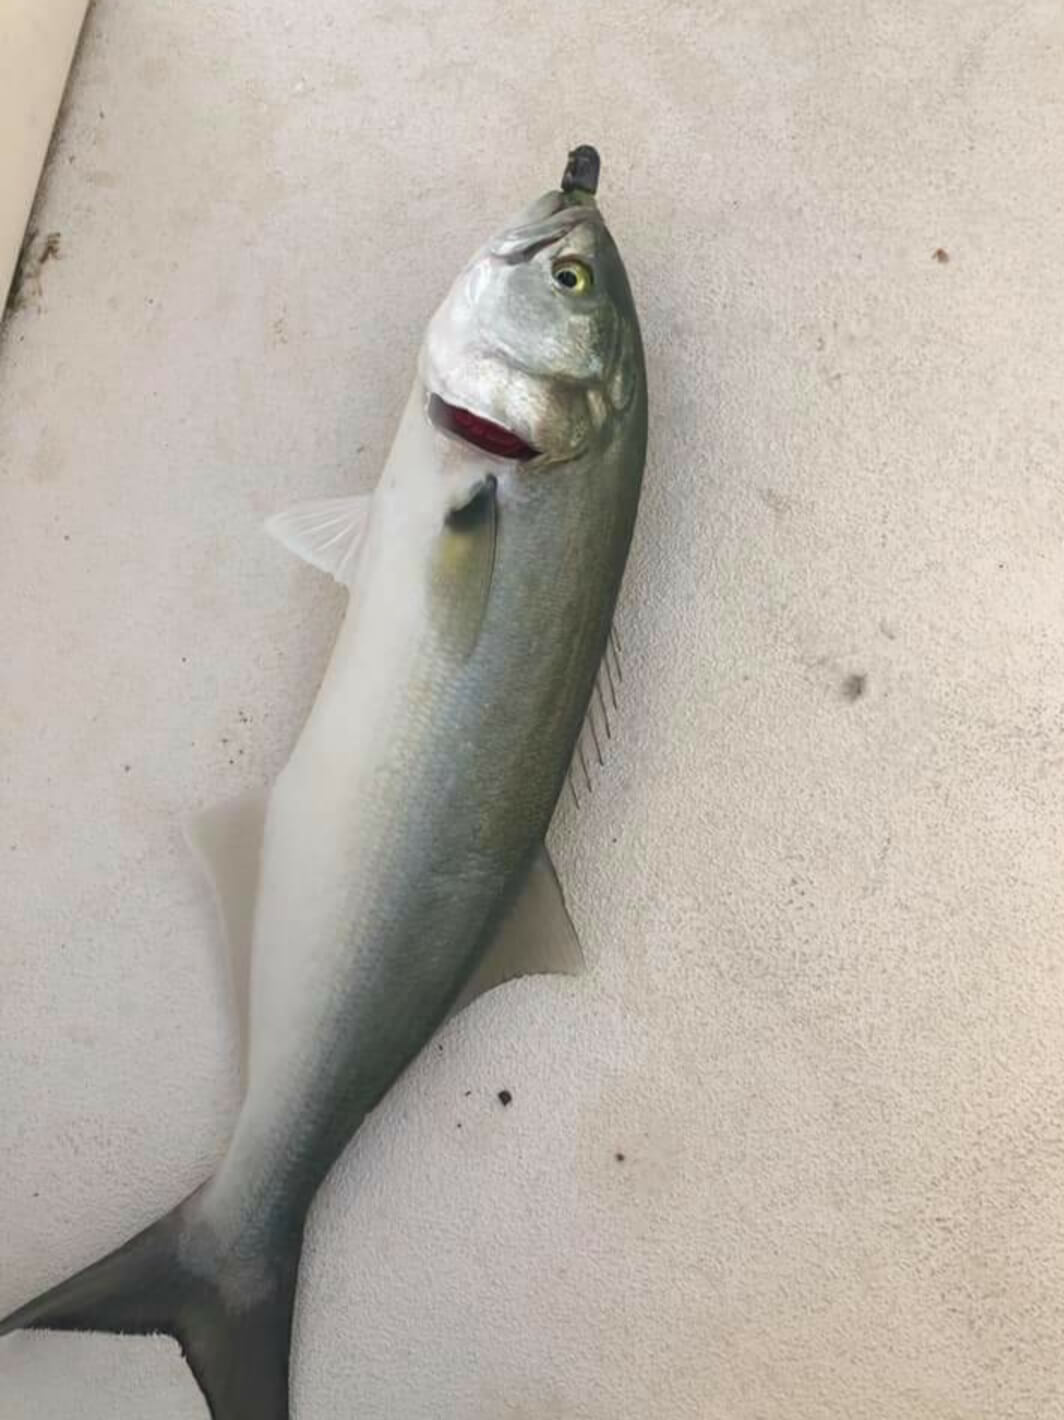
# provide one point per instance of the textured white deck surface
(821, 884)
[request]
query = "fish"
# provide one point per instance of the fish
(397, 867)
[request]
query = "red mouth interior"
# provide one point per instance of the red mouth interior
(481, 433)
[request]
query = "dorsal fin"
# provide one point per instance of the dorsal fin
(592, 745)
(536, 937)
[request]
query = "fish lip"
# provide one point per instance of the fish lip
(521, 244)
(478, 431)
(516, 256)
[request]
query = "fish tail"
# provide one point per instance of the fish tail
(231, 1314)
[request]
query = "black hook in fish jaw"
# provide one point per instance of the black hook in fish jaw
(582, 170)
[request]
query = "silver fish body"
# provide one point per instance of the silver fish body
(483, 575)
(413, 802)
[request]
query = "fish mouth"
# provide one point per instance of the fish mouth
(522, 242)
(481, 433)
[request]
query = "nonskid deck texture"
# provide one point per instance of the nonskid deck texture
(819, 878)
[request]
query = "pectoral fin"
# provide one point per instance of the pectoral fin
(462, 569)
(326, 532)
(536, 937)
(226, 840)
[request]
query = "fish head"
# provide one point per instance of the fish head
(535, 353)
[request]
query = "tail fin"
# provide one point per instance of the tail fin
(232, 1318)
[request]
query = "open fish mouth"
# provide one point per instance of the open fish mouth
(482, 433)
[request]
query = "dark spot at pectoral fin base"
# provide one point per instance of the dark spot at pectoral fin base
(536, 937)
(463, 567)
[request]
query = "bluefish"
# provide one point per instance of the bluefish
(397, 866)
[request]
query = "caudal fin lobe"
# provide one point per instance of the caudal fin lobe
(232, 1319)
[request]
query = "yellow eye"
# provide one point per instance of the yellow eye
(574, 276)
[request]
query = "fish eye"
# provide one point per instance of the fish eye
(574, 276)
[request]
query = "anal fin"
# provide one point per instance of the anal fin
(226, 840)
(536, 937)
